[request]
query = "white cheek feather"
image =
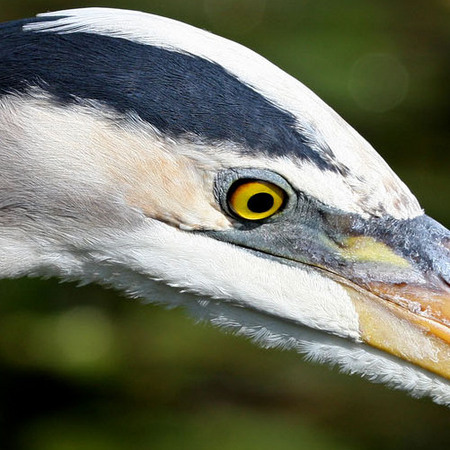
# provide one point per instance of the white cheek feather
(315, 118)
(218, 270)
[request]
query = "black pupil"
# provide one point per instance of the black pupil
(260, 203)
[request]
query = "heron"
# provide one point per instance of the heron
(177, 166)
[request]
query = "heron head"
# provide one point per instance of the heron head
(184, 168)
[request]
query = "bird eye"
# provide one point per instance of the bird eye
(255, 200)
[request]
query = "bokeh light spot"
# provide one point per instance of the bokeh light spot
(378, 82)
(84, 336)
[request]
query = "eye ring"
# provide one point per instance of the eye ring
(229, 180)
(255, 199)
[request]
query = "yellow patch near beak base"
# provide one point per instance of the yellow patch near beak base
(367, 249)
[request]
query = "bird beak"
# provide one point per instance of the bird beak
(396, 272)
(400, 288)
(408, 322)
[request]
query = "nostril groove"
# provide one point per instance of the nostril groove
(444, 277)
(445, 282)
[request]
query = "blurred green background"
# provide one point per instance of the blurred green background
(83, 368)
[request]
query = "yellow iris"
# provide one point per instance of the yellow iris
(256, 200)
